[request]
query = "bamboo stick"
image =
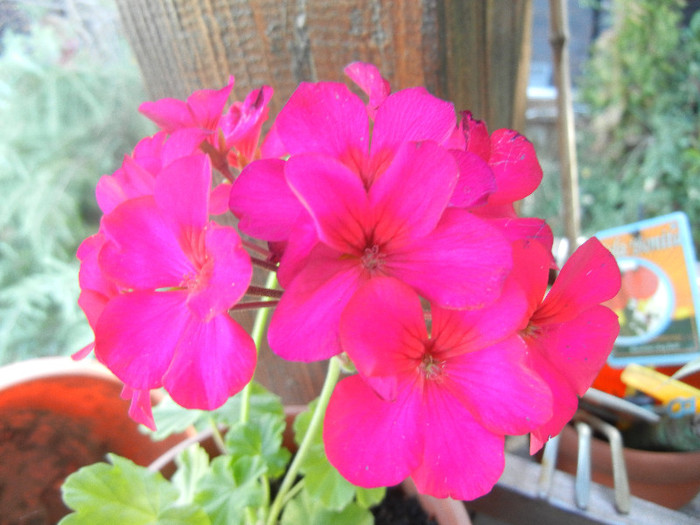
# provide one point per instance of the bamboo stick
(559, 38)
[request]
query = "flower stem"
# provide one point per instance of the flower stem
(257, 335)
(314, 427)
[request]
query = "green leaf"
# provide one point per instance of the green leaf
(321, 479)
(367, 498)
(124, 492)
(192, 465)
(171, 418)
(261, 436)
(305, 509)
(230, 487)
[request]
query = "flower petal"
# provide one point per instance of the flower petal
(412, 115)
(382, 329)
(137, 334)
(370, 80)
(334, 197)
(142, 251)
(306, 321)
(461, 459)
(325, 117)
(589, 277)
(225, 276)
(407, 202)
(579, 348)
(502, 394)
(462, 263)
(182, 192)
(264, 202)
(372, 443)
(515, 165)
(476, 180)
(211, 362)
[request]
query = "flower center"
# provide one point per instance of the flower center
(431, 368)
(372, 258)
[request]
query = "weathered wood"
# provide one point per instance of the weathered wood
(486, 58)
(474, 52)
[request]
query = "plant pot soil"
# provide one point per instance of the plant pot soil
(671, 479)
(55, 417)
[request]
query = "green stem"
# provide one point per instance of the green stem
(257, 335)
(314, 427)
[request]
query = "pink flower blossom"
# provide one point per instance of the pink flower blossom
(511, 158)
(177, 274)
(569, 333)
(231, 137)
(434, 406)
(400, 227)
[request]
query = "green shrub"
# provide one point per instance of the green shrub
(67, 116)
(640, 148)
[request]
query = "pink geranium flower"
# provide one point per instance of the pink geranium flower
(231, 137)
(177, 275)
(431, 405)
(569, 333)
(401, 227)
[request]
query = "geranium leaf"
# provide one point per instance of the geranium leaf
(171, 418)
(124, 492)
(309, 511)
(367, 498)
(230, 487)
(261, 436)
(192, 464)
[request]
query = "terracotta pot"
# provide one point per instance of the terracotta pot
(443, 511)
(671, 479)
(57, 415)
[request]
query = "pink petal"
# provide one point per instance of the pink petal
(531, 270)
(169, 114)
(565, 401)
(140, 408)
(370, 80)
(589, 277)
(412, 115)
(578, 348)
(302, 239)
(406, 202)
(182, 192)
(372, 443)
(142, 251)
(212, 361)
(515, 165)
(137, 334)
(462, 263)
(242, 124)
(461, 459)
(207, 105)
(473, 329)
(325, 117)
(306, 321)
(382, 329)
(334, 197)
(264, 202)
(476, 181)
(477, 136)
(502, 394)
(225, 276)
(219, 198)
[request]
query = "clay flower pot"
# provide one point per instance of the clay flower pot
(671, 479)
(57, 415)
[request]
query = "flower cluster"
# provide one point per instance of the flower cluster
(390, 225)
